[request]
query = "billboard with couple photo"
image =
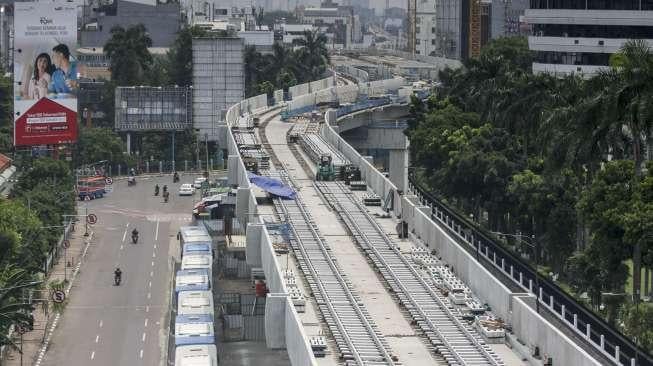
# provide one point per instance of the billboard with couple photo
(45, 73)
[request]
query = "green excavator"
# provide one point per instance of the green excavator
(325, 170)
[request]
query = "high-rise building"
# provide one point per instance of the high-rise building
(425, 27)
(578, 36)
(218, 81)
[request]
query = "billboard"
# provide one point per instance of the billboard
(45, 73)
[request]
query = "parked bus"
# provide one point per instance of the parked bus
(193, 234)
(194, 329)
(204, 262)
(197, 249)
(192, 280)
(195, 302)
(199, 355)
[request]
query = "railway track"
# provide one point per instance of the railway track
(456, 341)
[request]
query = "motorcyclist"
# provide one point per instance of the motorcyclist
(117, 275)
(166, 194)
(175, 177)
(134, 235)
(165, 188)
(156, 190)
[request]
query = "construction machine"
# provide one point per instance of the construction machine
(325, 170)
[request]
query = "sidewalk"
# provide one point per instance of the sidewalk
(35, 342)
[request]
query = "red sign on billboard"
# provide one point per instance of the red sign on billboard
(46, 123)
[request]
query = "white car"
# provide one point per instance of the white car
(186, 189)
(199, 181)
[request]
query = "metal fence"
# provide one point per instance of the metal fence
(162, 167)
(598, 333)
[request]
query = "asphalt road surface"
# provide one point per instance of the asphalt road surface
(123, 325)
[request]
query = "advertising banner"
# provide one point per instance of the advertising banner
(45, 73)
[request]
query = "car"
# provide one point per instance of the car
(186, 189)
(199, 181)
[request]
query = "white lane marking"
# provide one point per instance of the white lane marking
(151, 273)
(154, 255)
(127, 225)
(154, 246)
(145, 322)
(97, 338)
(156, 234)
(149, 295)
(124, 235)
(92, 355)
(141, 353)
(121, 246)
(101, 323)
(150, 284)
(143, 336)
(152, 263)
(147, 308)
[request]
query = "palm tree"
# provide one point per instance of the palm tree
(629, 107)
(13, 310)
(313, 54)
(281, 61)
(128, 51)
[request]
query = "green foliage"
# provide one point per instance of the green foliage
(179, 65)
(638, 324)
(128, 51)
(14, 310)
(286, 67)
(563, 159)
(6, 113)
(97, 143)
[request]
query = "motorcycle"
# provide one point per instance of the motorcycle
(156, 190)
(175, 178)
(116, 279)
(165, 196)
(131, 181)
(134, 238)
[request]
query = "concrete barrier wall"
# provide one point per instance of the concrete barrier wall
(487, 287)
(269, 264)
(299, 356)
(531, 328)
(278, 96)
(283, 326)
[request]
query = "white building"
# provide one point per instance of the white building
(425, 31)
(579, 36)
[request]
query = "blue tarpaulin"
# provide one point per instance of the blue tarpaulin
(271, 185)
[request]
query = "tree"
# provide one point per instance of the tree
(180, 56)
(13, 308)
(628, 102)
(6, 113)
(28, 243)
(96, 144)
(254, 66)
(313, 54)
(266, 88)
(128, 51)
(638, 324)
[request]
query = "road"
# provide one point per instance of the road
(112, 325)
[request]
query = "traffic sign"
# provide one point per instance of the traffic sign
(109, 181)
(58, 296)
(91, 219)
(66, 244)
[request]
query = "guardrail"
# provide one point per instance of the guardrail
(598, 333)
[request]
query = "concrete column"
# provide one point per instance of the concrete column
(540, 290)
(588, 331)
(275, 321)
(602, 341)
(562, 312)
(253, 245)
(129, 143)
(616, 351)
(232, 166)
(242, 205)
(575, 321)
